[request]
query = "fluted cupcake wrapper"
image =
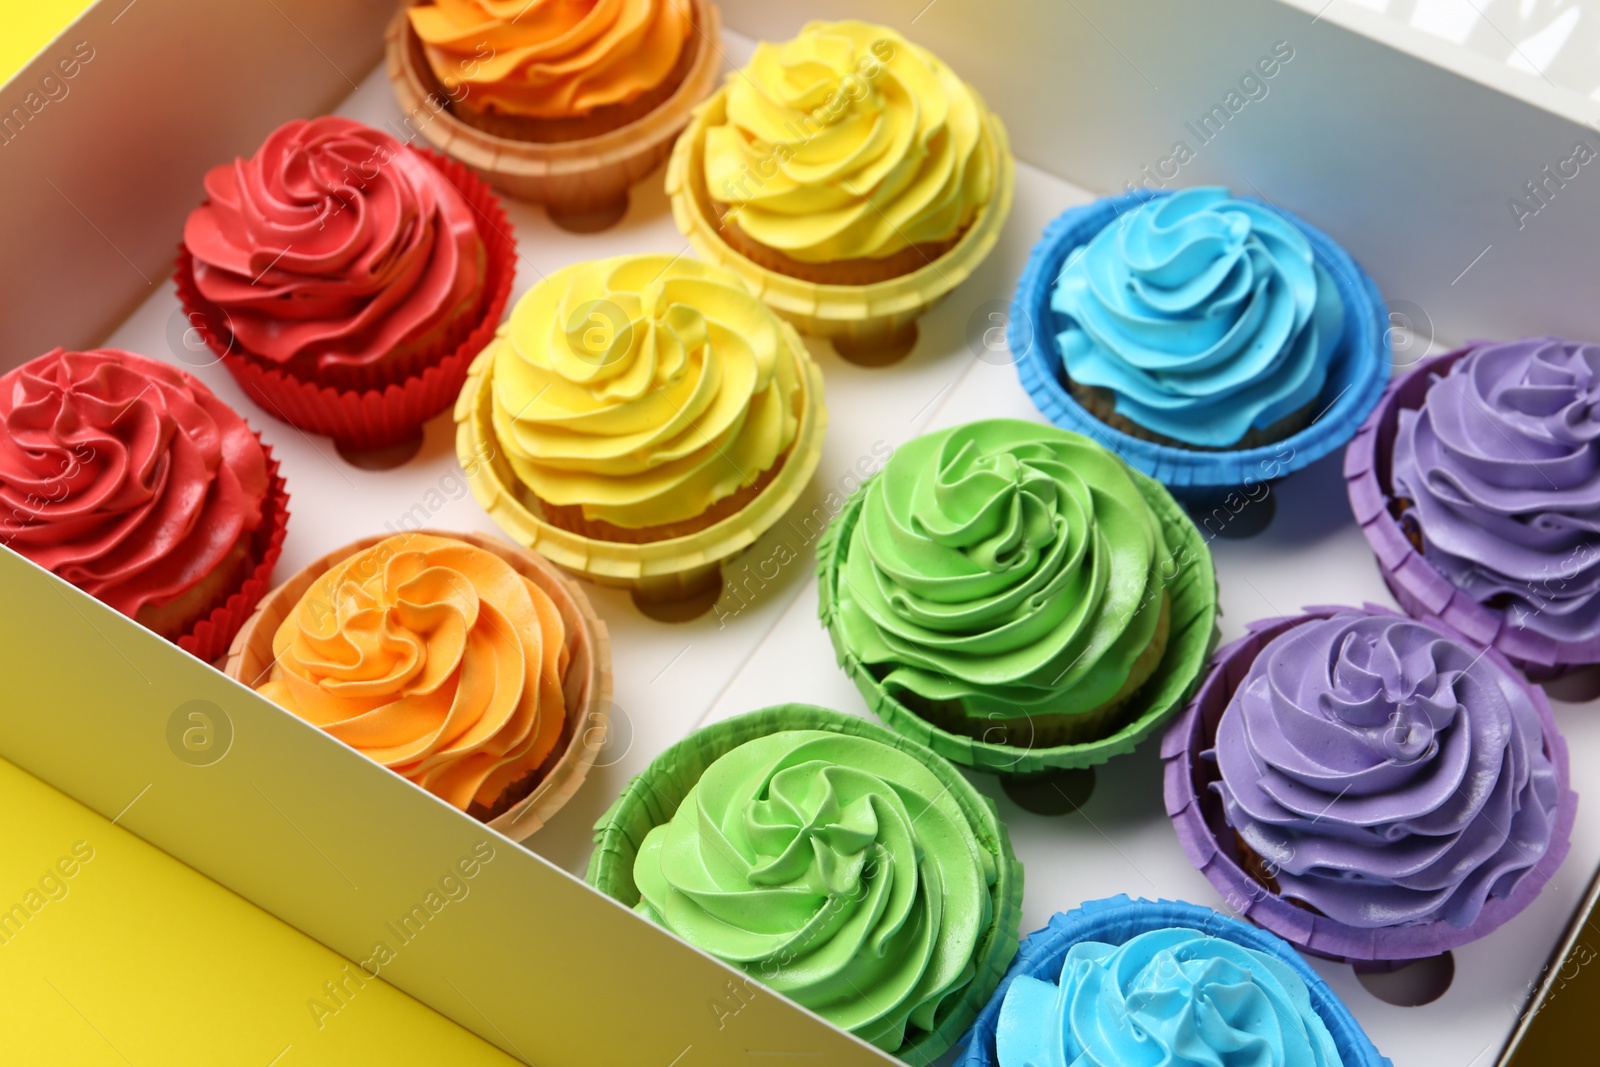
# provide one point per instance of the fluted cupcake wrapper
(590, 176)
(1353, 387)
(869, 314)
(661, 570)
(1190, 582)
(1209, 841)
(587, 691)
(653, 797)
(1417, 584)
(387, 412)
(1117, 920)
(209, 638)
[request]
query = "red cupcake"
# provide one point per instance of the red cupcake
(345, 278)
(128, 478)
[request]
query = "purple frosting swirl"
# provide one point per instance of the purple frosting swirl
(1387, 773)
(1502, 465)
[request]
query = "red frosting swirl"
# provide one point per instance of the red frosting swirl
(335, 246)
(123, 475)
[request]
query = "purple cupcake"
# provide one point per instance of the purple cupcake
(1477, 481)
(1368, 786)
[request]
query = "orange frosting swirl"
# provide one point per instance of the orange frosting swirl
(435, 658)
(550, 59)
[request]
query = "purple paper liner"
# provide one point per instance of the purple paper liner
(1207, 838)
(1361, 363)
(1417, 584)
(1118, 919)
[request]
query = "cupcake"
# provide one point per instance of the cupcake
(565, 102)
(129, 479)
(850, 177)
(1122, 981)
(849, 869)
(1368, 786)
(1477, 481)
(1213, 341)
(646, 417)
(345, 279)
(470, 667)
(1016, 597)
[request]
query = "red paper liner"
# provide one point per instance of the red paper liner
(381, 416)
(209, 638)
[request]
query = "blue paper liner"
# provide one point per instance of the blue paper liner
(1360, 367)
(1118, 919)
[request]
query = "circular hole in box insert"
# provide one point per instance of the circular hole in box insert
(1056, 792)
(878, 348)
(684, 608)
(381, 459)
(1576, 687)
(1409, 984)
(591, 220)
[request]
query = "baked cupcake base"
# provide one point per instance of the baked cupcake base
(1211, 844)
(653, 797)
(1190, 585)
(384, 413)
(871, 324)
(1117, 920)
(1361, 366)
(583, 182)
(1416, 583)
(679, 570)
(526, 804)
(1102, 404)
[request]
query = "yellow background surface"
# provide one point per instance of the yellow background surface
(28, 25)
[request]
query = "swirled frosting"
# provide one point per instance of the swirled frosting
(551, 58)
(1387, 773)
(123, 475)
(836, 869)
(334, 246)
(1502, 467)
(849, 142)
(433, 657)
(644, 388)
(1174, 997)
(1006, 566)
(1205, 316)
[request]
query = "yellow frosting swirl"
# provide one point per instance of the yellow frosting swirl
(849, 142)
(551, 59)
(644, 388)
(435, 658)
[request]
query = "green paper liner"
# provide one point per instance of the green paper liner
(671, 569)
(859, 315)
(653, 796)
(1193, 635)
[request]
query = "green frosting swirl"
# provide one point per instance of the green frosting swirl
(1006, 567)
(835, 869)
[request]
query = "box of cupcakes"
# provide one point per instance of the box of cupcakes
(998, 536)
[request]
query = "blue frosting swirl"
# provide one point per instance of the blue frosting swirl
(1174, 997)
(1205, 316)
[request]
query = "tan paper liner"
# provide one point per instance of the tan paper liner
(587, 689)
(210, 636)
(573, 179)
(859, 319)
(386, 413)
(674, 569)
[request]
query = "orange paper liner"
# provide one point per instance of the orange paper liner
(380, 416)
(587, 690)
(863, 314)
(575, 177)
(210, 636)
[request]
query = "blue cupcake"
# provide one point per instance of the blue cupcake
(1120, 981)
(1214, 342)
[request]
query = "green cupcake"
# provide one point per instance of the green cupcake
(837, 863)
(1017, 597)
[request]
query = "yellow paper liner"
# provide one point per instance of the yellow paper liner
(587, 689)
(672, 569)
(585, 177)
(860, 317)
